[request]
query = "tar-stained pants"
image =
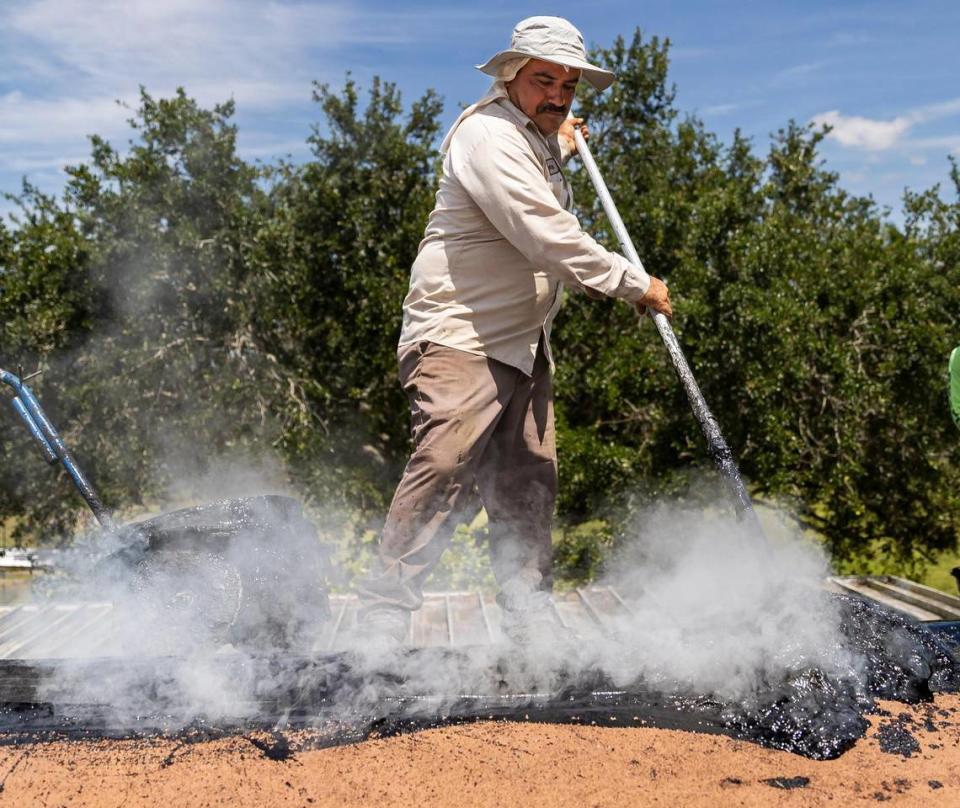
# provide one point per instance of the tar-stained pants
(474, 420)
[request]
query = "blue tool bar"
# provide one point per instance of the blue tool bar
(37, 418)
(35, 430)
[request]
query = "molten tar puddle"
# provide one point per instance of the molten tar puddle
(809, 712)
(725, 634)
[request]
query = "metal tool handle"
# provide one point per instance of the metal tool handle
(48, 451)
(52, 445)
(716, 446)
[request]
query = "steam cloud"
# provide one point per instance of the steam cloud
(714, 611)
(721, 610)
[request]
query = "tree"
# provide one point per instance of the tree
(186, 304)
(149, 369)
(332, 268)
(46, 307)
(815, 328)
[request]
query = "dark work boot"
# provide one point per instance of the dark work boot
(383, 627)
(529, 616)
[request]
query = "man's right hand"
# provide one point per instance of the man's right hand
(656, 298)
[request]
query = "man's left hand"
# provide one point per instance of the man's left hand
(565, 134)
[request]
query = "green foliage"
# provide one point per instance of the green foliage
(148, 365)
(332, 267)
(816, 330)
(187, 305)
(579, 550)
(46, 307)
(45, 302)
(938, 572)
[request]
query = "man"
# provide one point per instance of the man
(474, 350)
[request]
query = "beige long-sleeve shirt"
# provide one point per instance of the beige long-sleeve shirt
(501, 242)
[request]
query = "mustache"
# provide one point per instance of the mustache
(551, 108)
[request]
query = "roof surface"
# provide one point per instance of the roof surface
(43, 630)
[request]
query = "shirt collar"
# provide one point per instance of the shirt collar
(522, 119)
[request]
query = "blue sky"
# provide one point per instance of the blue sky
(885, 74)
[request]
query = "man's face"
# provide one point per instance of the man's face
(544, 92)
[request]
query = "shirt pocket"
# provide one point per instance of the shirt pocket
(545, 289)
(561, 190)
(557, 181)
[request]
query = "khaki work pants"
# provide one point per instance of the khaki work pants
(474, 420)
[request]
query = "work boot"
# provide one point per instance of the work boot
(383, 628)
(529, 616)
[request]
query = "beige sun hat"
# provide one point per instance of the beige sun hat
(552, 39)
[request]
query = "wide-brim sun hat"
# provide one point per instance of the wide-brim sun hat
(551, 39)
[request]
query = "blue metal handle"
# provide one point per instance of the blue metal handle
(46, 435)
(35, 430)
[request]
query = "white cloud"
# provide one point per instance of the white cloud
(114, 45)
(36, 121)
(273, 148)
(66, 63)
(931, 112)
(51, 164)
(789, 75)
(949, 142)
(872, 134)
(863, 133)
(169, 41)
(721, 109)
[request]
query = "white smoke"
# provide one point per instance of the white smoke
(714, 610)
(193, 609)
(718, 608)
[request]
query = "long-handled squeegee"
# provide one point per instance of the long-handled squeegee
(51, 444)
(716, 446)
